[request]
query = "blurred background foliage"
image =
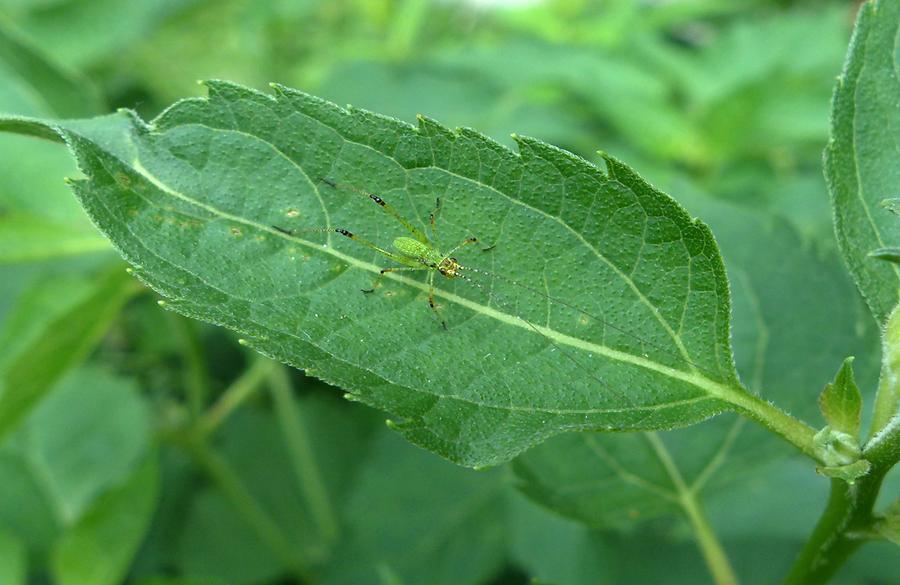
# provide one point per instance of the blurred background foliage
(163, 453)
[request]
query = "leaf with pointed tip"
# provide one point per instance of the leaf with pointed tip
(598, 302)
(862, 162)
(849, 473)
(841, 402)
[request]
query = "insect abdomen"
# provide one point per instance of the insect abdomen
(414, 249)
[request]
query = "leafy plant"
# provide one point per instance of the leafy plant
(592, 302)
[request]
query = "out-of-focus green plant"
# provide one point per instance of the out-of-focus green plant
(139, 446)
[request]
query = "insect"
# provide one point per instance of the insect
(415, 254)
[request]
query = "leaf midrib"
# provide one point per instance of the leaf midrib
(675, 336)
(714, 389)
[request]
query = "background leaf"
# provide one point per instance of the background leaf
(80, 452)
(99, 548)
(452, 521)
(27, 373)
(862, 162)
(13, 562)
(64, 470)
(67, 94)
(219, 541)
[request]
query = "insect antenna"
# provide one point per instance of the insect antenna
(384, 205)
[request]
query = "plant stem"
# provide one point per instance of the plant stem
(849, 513)
(196, 379)
(246, 505)
(234, 396)
(795, 431)
(713, 553)
(303, 459)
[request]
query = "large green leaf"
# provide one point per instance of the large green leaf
(781, 319)
(862, 161)
(634, 333)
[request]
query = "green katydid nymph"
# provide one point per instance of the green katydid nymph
(416, 253)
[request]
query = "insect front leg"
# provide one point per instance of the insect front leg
(465, 242)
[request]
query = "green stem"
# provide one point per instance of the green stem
(303, 458)
(713, 553)
(234, 396)
(247, 506)
(849, 513)
(795, 431)
(196, 378)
